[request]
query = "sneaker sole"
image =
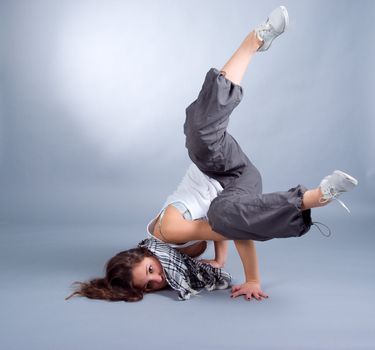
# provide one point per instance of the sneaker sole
(353, 180)
(286, 16)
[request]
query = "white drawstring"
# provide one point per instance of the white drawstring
(334, 197)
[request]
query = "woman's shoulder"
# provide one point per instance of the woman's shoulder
(168, 217)
(174, 227)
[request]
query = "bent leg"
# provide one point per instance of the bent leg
(240, 214)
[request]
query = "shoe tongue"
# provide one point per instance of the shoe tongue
(267, 27)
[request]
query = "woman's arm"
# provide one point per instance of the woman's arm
(221, 252)
(251, 288)
(178, 230)
(175, 229)
(247, 252)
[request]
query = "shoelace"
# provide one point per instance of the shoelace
(314, 223)
(266, 27)
(333, 196)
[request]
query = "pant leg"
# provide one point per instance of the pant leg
(210, 146)
(241, 214)
(241, 211)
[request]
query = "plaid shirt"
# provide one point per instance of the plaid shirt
(185, 274)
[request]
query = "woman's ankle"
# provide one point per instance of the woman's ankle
(312, 199)
(254, 42)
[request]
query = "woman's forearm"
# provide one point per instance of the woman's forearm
(221, 251)
(247, 252)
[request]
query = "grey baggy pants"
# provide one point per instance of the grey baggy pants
(241, 210)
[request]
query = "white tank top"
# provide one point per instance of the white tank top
(196, 191)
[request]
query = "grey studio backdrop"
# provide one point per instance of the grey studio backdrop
(92, 103)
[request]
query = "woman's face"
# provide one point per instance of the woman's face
(149, 275)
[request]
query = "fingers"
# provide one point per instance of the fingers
(249, 291)
(236, 294)
(260, 296)
(236, 288)
(253, 296)
(237, 291)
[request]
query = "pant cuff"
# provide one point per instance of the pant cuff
(305, 214)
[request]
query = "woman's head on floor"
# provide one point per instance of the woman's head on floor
(128, 275)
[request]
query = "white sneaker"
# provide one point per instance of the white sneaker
(335, 184)
(276, 24)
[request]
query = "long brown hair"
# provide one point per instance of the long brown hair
(117, 285)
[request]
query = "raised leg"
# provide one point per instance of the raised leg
(215, 152)
(236, 66)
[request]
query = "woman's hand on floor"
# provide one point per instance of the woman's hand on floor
(249, 290)
(213, 263)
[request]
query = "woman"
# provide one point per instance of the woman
(219, 199)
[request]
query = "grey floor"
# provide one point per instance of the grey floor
(321, 294)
